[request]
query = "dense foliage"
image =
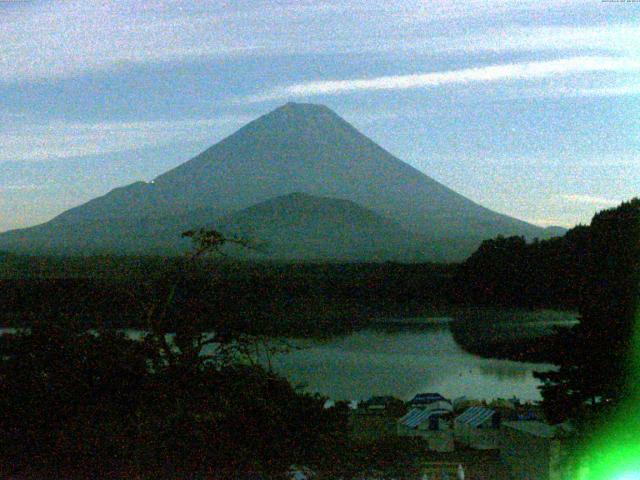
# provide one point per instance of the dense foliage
(96, 404)
(593, 269)
(80, 399)
(508, 271)
(293, 299)
(597, 358)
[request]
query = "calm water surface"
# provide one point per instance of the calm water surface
(402, 362)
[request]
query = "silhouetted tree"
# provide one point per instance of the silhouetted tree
(596, 358)
(509, 272)
(95, 403)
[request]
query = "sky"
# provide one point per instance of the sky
(530, 108)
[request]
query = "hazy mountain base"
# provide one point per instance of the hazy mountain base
(295, 227)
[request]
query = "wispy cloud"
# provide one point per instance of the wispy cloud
(620, 38)
(19, 187)
(550, 221)
(617, 91)
(491, 73)
(47, 40)
(68, 139)
(589, 200)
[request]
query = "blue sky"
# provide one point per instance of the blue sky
(530, 108)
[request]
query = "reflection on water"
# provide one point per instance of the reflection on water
(403, 361)
(400, 359)
(505, 370)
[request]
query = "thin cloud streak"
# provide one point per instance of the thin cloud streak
(13, 188)
(620, 39)
(619, 91)
(589, 200)
(550, 222)
(491, 73)
(60, 40)
(28, 142)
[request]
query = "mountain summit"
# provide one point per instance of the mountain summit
(296, 148)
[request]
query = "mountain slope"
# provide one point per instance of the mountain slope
(300, 226)
(295, 148)
(291, 227)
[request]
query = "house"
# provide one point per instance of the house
(432, 426)
(532, 450)
(478, 427)
(424, 399)
(441, 407)
(376, 417)
(382, 404)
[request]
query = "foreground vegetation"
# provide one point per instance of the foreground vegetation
(79, 404)
(82, 401)
(272, 299)
(511, 334)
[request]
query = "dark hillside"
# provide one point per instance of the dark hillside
(294, 299)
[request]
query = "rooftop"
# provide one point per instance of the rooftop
(415, 417)
(427, 398)
(533, 427)
(475, 416)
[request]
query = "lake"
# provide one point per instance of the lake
(402, 361)
(402, 357)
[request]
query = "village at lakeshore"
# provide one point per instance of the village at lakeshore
(503, 438)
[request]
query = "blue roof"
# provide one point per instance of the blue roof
(415, 417)
(475, 416)
(427, 398)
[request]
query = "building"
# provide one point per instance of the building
(432, 426)
(383, 403)
(442, 407)
(424, 399)
(376, 417)
(532, 450)
(478, 427)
